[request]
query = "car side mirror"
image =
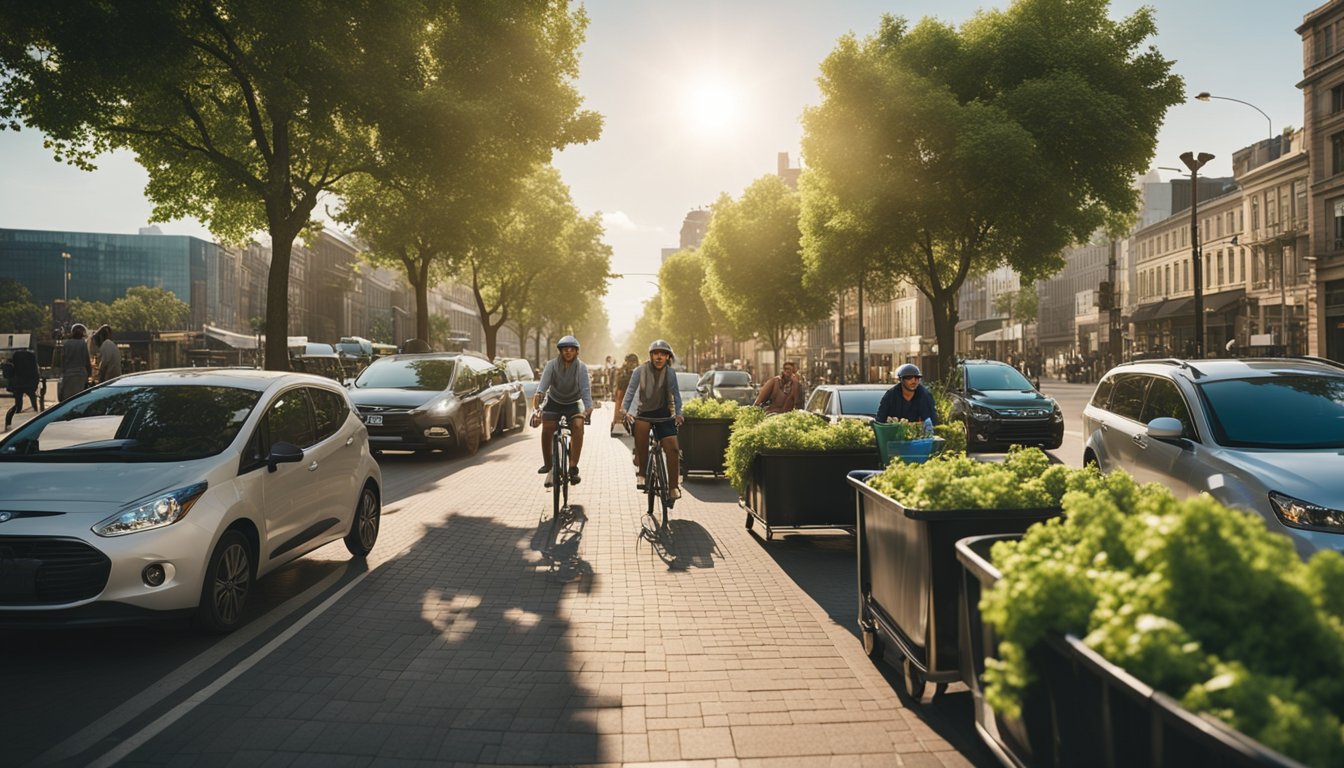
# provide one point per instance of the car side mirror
(1165, 428)
(283, 453)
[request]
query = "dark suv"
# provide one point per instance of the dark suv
(433, 401)
(1001, 408)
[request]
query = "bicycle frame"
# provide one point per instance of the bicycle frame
(656, 485)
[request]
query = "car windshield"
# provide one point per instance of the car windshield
(428, 375)
(732, 379)
(687, 380)
(135, 424)
(1297, 411)
(990, 377)
(863, 402)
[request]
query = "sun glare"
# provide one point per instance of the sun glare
(713, 107)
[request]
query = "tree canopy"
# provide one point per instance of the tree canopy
(755, 264)
(246, 112)
(18, 312)
(938, 153)
(143, 308)
(688, 320)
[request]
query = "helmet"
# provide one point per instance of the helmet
(632, 358)
(567, 341)
(664, 346)
(909, 369)
(78, 331)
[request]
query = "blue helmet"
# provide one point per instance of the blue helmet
(567, 341)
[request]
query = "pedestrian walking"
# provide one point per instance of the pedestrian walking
(22, 376)
(109, 356)
(76, 365)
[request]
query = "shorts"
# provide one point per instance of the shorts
(661, 429)
(552, 411)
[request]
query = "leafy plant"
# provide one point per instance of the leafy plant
(753, 433)
(1025, 480)
(708, 408)
(1197, 600)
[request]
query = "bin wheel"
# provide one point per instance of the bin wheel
(912, 680)
(750, 519)
(872, 644)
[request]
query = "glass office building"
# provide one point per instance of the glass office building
(103, 266)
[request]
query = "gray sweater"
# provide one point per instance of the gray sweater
(566, 384)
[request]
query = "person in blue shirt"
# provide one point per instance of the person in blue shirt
(909, 399)
(566, 391)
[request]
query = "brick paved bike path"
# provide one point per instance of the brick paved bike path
(466, 645)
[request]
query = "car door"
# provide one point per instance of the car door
(818, 402)
(1120, 426)
(467, 390)
(290, 497)
(1165, 461)
(337, 453)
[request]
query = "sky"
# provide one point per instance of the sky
(699, 97)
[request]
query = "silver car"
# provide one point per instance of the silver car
(1263, 434)
(834, 402)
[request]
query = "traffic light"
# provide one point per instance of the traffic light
(1105, 296)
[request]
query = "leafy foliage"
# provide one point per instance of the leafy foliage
(752, 433)
(143, 308)
(1197, 600)
(710, 408)
(1025, 480)
(18, 311)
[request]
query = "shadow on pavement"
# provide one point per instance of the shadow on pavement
(683, 545)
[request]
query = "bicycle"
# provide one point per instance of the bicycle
(559, 477)
(656, 485)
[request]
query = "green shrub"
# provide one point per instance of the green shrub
(707, 408)
(753, 433)
(1025, 480)
(1197, 600)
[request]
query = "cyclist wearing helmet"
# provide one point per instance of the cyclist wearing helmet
(909, 399)
(653, 393)
(565, 386)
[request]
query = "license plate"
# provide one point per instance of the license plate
(373, 420)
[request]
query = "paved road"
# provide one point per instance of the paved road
(461, 642)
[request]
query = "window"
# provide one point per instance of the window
(466, 381)
(1220, 268)
(1336, 99)
(288, 420)
(1255, 214)
(1337, 213)
(1165, 401)
(1103, 394)
(1127, 396)
(329, 410)
(1208, 270)
(1300, 203)
(1337, 152)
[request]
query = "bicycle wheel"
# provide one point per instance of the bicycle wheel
(651, 477)
(562, 473)
(664, 490)
(559, 455)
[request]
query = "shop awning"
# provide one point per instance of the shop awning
(244, 340)
(1176, 308)
(1145, 312)
(1220, 302)
(965, 325)
(1007, 333)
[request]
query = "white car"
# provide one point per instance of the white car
(172, 491)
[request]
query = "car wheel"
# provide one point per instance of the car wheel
(469, 440)
(1089, 457)
(228, 582)
(364, 528)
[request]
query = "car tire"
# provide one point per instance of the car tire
(364, 527)
(228, 582)
(469, 441)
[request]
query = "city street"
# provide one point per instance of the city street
(462, 642)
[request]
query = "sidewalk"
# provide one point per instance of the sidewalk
(466, 645)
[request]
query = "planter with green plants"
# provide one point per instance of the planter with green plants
(1139, 630)
(703, 435)
(790, 468)
(910, 517)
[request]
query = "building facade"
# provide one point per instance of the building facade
(1322, 85)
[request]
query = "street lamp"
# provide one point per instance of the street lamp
(1194, 163)
(1205, 96)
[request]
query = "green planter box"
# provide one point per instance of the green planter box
(804, 489)
(703, 445)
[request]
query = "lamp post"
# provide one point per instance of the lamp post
(1205, 96)
(1194, 163)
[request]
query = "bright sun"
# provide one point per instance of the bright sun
(712, 107)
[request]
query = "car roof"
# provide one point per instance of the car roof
(1216, 369)
(242, 378)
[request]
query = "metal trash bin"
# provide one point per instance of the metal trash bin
(909, 578)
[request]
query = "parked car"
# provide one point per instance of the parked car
(355, 352)
(434, 401)
(328, 365)
(1262, 434)
(1001, 408)
(171, 491)
(686, 382)
(727, 385)
(519, 370)
(834, 402)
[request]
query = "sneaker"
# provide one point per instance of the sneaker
(639, 482)
(676, 493)
(550, 479)
(544, 469)
(574, 475)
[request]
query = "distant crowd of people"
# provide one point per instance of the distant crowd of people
(80, 362)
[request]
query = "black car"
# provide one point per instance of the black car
(434, 401)
(1000, 407)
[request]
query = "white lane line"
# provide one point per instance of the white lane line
(107, 724)
(200, 697)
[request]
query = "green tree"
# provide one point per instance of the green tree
(755, 264)
(648, 327)
(145, 308)
(246, 112)
(687, 317)
(938, 153)
(18, 312)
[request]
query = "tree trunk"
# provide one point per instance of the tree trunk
(277, 302)
(945, 330)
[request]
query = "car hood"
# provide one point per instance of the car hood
(398, 398)
(1010, 398)
(1308, 475)
(51, 485)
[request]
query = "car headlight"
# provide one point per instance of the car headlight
(1057, 414)
(437, 407)
(153, 512)
(1303, 514)
(981, 413)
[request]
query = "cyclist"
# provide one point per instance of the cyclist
(565, 386)
(909, 399)
(653, 393)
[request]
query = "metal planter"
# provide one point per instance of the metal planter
(908, 579)
(804, 489)
(703, 445)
